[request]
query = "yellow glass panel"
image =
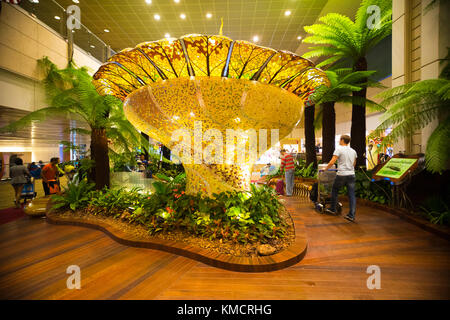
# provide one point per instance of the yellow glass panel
(305, 83)
(120, 78)
(207, 54)
(283, 66)
(135, 61)
(247, 59)
(168, 56)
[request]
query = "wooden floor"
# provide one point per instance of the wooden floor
(414, 264)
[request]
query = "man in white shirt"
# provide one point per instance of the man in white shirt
(346, 160)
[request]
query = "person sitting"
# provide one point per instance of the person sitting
(267, 170)
(140, 166)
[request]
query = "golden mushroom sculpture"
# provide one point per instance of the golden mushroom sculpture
(208, 99)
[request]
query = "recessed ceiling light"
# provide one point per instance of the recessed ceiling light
(106, 30)
(183, 16)
(92, 46)
(157, 17)
(57, 17)
(148, 1)
(76, 1)
(299, 38)
(176, 1)
(287, 13)
(209, 15)
(34, 1)
(167, 35)
(255, 39)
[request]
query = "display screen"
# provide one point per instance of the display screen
(396, 167)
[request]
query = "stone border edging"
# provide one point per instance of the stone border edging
(286, 258)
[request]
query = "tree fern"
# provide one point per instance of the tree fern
(438, 148)
(412, 107)
(70, 93)
(339, 38)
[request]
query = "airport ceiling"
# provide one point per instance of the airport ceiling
(273, 23)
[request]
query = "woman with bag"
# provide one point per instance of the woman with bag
(19, 175)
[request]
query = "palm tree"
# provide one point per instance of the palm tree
(338, 38)
(412, 107)
(310, 135)
(70, 93)
(342, 83)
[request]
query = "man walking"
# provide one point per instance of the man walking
(346, 160)
(287, 163)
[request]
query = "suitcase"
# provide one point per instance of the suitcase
(28, 191)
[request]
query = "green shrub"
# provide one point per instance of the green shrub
(365, 188)
(233, 216)
(436, 210)
(75, 195)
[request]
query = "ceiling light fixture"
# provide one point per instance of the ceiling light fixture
(92, 46)
(299, 38)
(57, 17)
(287, 13)
(157, 17)
(148, 1)
(183, 16)
(167, 35)
(255, 39)
(106, 30)
(209, 15)
(75, 1)
(176, 1)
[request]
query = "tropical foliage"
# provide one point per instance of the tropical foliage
(338, 38)
(70, 94)
(229, 216)
(413, 106)
(75, 196)
(343, 81)
(437, 210)
(304, 171)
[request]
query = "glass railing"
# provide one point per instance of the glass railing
(55, 16)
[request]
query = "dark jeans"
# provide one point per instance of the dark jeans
(46, 189)
(339, 182)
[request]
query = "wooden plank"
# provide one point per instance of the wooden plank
(414, 264)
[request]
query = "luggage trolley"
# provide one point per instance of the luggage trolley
(28, 191)
(324, 186)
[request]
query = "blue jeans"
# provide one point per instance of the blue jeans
(339, 182)
(289, 175)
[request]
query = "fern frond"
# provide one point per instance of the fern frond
(36, 116)
(437, 154)
(329, 61)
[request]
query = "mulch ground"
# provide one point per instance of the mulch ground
(182, 235)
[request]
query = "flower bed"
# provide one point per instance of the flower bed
(230, 222)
